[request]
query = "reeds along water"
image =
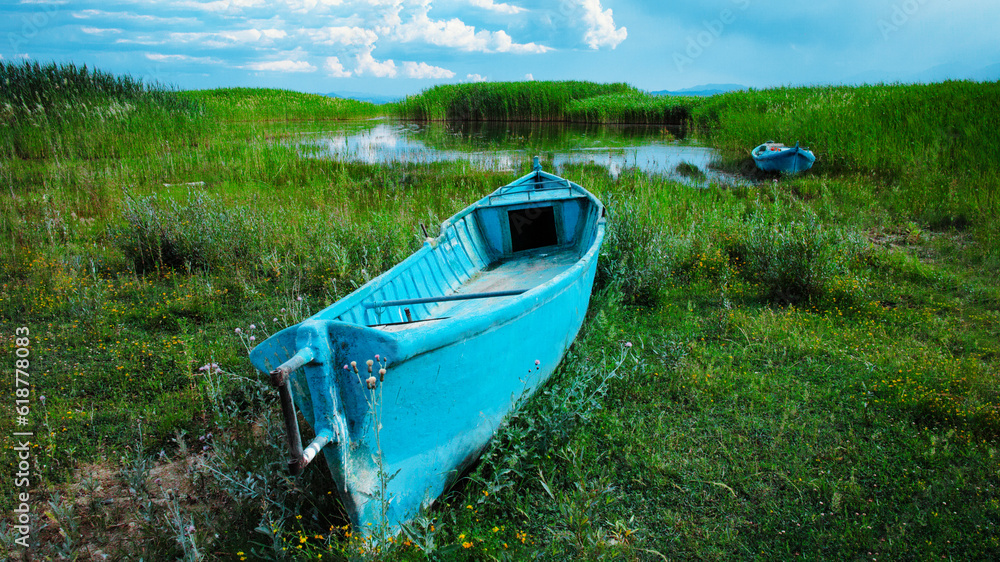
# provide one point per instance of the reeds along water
(269, 104)
(503, 101)
(67, 111)
(882, 127)
(633, 108)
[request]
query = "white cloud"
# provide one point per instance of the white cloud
(335, 69)
(366, 64)
(312, 5)
(475, 78)
(456, 34)
(131, 16)
(529, 77)
(424, 70)
(502, 8)
(220, 5)
(99, 31)
(282, 66)
(274, 33)
(601, 31)
(282, 35)
(242, 35)
(342, 35)
(229, 38)
(159, 57)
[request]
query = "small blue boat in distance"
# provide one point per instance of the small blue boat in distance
(405, 380)
(776, 157)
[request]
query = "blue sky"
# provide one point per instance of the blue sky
(395, 47)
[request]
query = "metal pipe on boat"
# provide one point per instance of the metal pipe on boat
(314, 448)
(279, 378)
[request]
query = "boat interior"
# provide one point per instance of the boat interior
(505, 245)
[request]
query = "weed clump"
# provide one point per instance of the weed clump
(199, 233)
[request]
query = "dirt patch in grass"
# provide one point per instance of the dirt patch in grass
(101, 515)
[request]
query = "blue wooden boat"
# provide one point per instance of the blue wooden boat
(776, 157)
(405, 380)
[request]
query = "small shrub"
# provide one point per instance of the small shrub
(790, 261)
(633, 258)
(339, 256)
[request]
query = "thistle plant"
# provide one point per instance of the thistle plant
(373, 383)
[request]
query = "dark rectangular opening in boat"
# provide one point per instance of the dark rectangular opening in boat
(534, 227)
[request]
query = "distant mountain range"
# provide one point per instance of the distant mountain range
(703, 90)
(377, 99)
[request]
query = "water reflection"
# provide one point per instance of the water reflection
(506, 146)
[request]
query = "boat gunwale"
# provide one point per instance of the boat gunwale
(785, 152)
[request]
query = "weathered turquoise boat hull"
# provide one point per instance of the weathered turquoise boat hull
(772, 157)
(475, 319)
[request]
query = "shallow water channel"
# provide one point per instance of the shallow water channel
(506, 146)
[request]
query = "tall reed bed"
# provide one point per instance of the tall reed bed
(67, 111)
(268, 104)
(503, 101)
(890, 129)
(632, 108)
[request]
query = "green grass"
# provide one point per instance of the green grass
(812, 368)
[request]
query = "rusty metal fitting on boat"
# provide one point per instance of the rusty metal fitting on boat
(279, 378)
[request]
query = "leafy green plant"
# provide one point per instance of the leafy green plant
(264, 104)
(632, 107)
(62, 110)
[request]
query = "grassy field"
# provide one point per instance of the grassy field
(804, 367)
